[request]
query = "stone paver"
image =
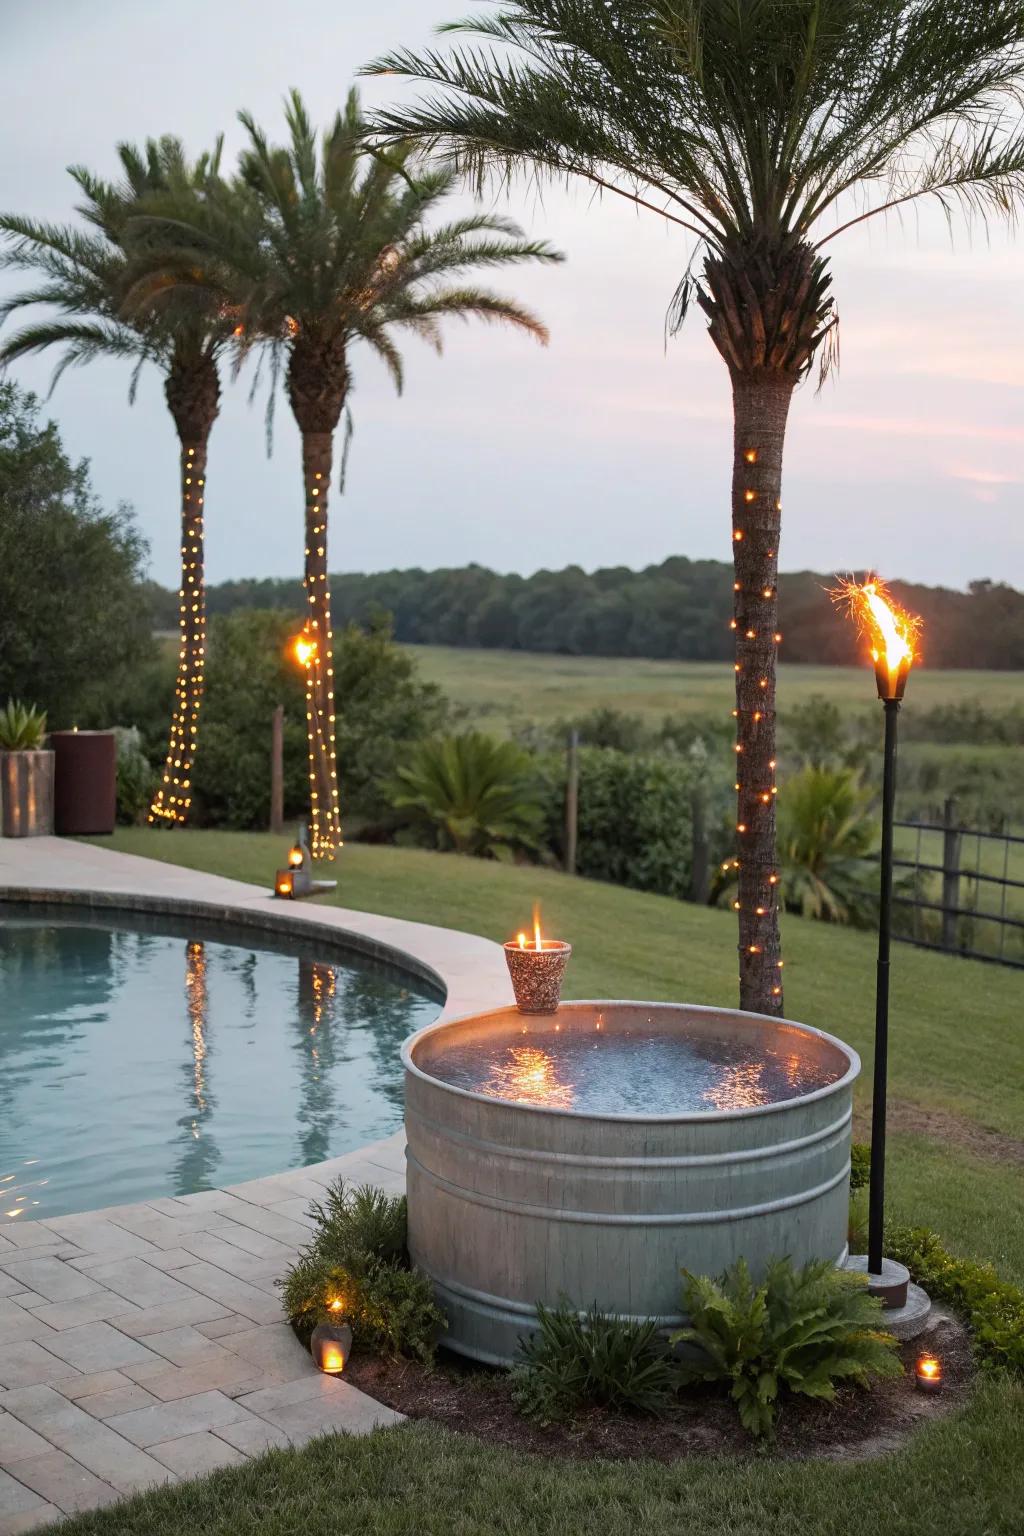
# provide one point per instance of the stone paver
(193, 1455)
(65, 1482)
(151, 1344)
(28, 1364)
(98, 1347)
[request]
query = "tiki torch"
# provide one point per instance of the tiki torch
(891, 634)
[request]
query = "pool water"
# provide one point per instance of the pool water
(153, 1057)
(633, 1072)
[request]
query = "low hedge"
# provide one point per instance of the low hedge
(993, 1308)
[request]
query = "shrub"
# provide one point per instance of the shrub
(800, 1330)
(573, 1362)
(136, 776)
(860, 1165)
(471, 794)
(635, 819)
(358, 1258)
(22, 727)
(382, 708)
(993, 1307)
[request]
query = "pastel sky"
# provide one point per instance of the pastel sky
(604, 448)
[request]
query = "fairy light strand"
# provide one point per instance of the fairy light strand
(325, 812)
(173, 797)
(754, 799)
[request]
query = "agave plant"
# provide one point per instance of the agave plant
(22, 727)
(472, 794)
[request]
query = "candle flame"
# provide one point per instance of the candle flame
(538, 942)
(929, 1366)
(890, 630)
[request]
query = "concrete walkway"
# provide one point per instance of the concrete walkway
(144, 1343)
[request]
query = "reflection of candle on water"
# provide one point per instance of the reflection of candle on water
(529, 1075)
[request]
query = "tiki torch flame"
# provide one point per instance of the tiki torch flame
(890, 630)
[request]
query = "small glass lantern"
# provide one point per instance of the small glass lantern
(331, 1346)
(928, 1373)
(284, 884)
(295, 856)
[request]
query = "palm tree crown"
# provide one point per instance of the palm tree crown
(763, 129)
(316, 246)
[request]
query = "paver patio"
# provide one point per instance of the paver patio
(144, 1343)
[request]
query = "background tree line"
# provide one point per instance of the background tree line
(678, 610)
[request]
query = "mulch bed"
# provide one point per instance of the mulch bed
(474, 1401)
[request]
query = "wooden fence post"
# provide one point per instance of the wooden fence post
(700, 888)
(951, 839)
(572, 800)
(277, 771)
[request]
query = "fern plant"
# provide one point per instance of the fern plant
(22, 727)
(573, 1362)
(800, 1330)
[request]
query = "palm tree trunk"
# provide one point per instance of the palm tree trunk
(170, 804)
(325, 819)
(760, 407)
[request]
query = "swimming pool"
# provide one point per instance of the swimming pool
(145, 1056)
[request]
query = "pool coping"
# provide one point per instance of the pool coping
(144, 1343)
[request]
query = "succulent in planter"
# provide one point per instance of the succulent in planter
(26, 772)
(22, 727)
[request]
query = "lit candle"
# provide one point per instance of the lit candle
(331, 1346)
(284, 883)
(537, 967)
(928, 1373)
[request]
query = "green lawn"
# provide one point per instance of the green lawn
(519, 686)
(957, 1048)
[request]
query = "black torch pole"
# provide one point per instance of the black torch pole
(876, 1209)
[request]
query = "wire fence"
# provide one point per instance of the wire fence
(959, 889)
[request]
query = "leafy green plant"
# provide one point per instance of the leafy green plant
(22, 727)
(993, 1307)
(572, 1363)
(357, 1269)
(136, 776)
(860, 1165)
(471, 794)
(825, 831)
(800, 1330)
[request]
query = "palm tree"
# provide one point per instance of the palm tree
(86, 276)
(318, 248)
(763, 129)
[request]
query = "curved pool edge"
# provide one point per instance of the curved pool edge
(469, 970)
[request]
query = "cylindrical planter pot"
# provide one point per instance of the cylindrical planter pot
(26, 789)
(85, 782)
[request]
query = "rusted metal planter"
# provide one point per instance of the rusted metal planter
(85, 782)
(26, 790)
(511, 1204)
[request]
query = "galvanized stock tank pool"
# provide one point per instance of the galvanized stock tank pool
(593, 1153)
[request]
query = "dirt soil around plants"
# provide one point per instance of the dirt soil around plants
(858, 1424)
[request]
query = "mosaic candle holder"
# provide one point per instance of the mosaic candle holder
(537, 974)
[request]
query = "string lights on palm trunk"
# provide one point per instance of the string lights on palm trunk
(756, 791)
(314, 649)
(170, 804)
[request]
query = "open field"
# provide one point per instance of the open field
(956, 1162)
(518, 686)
